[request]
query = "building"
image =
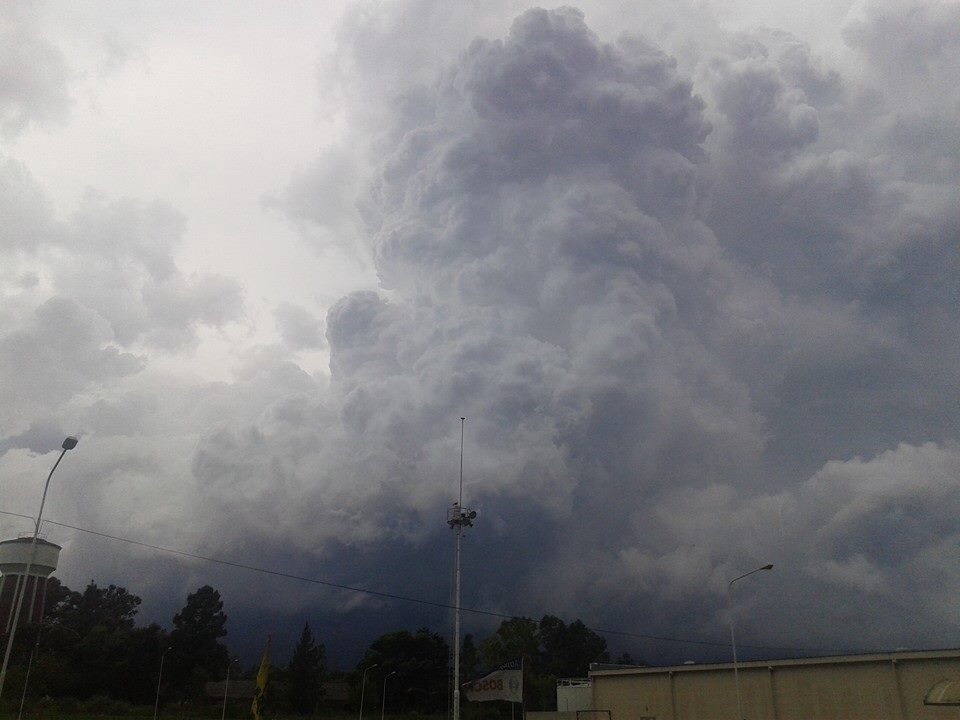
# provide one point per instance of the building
(574, 694)
(880, 686)
(14, 558)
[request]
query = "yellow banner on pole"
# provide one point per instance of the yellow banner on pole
(258, 695)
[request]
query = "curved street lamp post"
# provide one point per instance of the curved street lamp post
(363, 686)
(383, 701)
(733, 640)
(69, 443)
(226, 684)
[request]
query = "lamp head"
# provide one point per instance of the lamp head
(769, 566)
(69, 443)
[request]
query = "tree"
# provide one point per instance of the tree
(111, 608)
(625, 658)
(196, 653)
(469, 656)
(518, 637)
(420, 661)
(304, 673)
(91, 647)
(549, 648)
(568, 650)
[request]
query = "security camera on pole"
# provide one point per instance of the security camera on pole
(458, 517)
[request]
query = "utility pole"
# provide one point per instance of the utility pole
(458, 517)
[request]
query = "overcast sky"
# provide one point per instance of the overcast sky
(691, 271)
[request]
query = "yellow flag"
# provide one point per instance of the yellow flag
(262, 673)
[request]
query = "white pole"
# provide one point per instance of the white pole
(26, 680)
(733, 640)
(363, 687)
(68, 444)
(156, 703)
(456, 586)
(226, 684)
(383, 701)
(456, 631)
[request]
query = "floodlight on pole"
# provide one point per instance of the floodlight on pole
(383, 700)
(156, 703)
(363, 686)
(458, 517)
(733, 640)
(69, 443)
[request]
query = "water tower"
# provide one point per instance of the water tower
(14, 558)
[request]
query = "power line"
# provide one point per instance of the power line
(387, 595)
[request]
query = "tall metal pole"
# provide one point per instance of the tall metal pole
(156, 703)
(383, 700)
(226, 684)
(460, 496)
(733, 640)
(456, 585)
(26, 680)
(68, 444)
(363, 687)
(459, 517)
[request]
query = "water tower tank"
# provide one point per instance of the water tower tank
(14, 557)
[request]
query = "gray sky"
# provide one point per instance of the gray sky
(690, 270)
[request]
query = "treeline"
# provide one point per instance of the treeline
(89, 646)
(416, 666)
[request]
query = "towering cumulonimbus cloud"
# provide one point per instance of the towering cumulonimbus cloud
(699, 314)
(542, 230)
(661, 305)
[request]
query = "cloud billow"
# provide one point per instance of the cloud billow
(697, 321)
(544, 227)
(33, 73)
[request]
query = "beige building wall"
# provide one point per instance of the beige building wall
(887, 686)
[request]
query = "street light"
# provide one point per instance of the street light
(226, 684)
(26, 680)
(383, 701)
(363, 685)
(733, 640)
(69, 443)
(156, 703)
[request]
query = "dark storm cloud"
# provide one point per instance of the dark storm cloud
(837, 220)
(543, 228)
(698, 321)
(662, 304)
